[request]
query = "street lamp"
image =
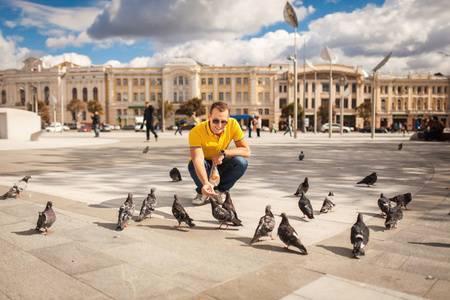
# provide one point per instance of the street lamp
(342, 84)
(326, 54)
(315, 93)
(295, 95)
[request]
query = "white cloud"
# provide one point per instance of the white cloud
(11, 55)
(75, 58)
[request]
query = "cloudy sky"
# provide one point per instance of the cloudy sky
(148, 33)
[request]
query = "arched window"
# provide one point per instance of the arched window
(47, 96)
(3, 97)
(383, 105)
(95, 93)
(175, 81)
(419, 104)
(22, 96)
(399, 104)
(74, 94)
(85, 97)
(438, 104)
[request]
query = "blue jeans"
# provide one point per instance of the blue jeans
(96, 129)
(230, 171)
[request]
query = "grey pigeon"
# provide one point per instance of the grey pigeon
(126, 211)
(369, 180)
(305, 206)
(222, 215)
(145, 151)
(402, 199)
(265, 226)
(328, 203)
(400, 146)
(384, 204)
(394, 215)
(303, 187)
(359, 236)
(46, 218)
(180, 213)
(288, 235)
(175, 174)
(301, 156)
(148, 206)
(17, 188)
(229, 206)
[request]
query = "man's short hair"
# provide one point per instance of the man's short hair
(147, 102)
(221, 106)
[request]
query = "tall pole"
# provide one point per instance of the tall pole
(315, 102)
(304, 86)
(295, 86)
(163, 104)
(330, 105)
(372, 131)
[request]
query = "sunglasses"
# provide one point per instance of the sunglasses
(217, 121)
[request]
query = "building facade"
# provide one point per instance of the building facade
(249, 90)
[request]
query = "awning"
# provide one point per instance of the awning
(240, 117)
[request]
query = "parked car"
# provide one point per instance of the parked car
(105, 128)
(71, 125)
(84, 128)
(128, 127)
(54, 127)
(377, 130)
(335, 127)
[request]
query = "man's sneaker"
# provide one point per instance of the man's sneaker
(199, 199)
(220, 197)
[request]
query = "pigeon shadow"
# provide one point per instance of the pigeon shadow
(376, 228)
(375, 215)
(275, 248)
(299, 218)
(242, 239)
(172, 227)
(342, 251)
(111, 226)
(29, 232)
(443, 245)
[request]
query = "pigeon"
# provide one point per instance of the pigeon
(303, 187)
(46, 218)
(328, 203)
(17, 188)
(301, 156)
(400, 146)
(288, 235)
(384, 204)
(229, 206)
(145, 151)
(222, 215)
(305, 206)
(359, 236)
(369, 180)
(175, 174)
(402, 199)
(126, 211)
(148, 206)
(394, 215)
(180, 213)
(265, 226)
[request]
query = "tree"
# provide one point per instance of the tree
(43, 110)
(94, 105)
(364, 111)
(195, 104)
(75, 106)
(289, 110)
(323, 111)
(168, 108)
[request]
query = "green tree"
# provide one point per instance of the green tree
(289, 110)
(323, 111)
(43, 110)
(75, 106)
(195, 104)
(168, 108)
(364, 111)
(94, 105)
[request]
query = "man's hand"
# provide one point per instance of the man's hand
(208, 190)
(217, 159)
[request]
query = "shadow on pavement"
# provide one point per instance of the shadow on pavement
(28, 232)
(342, 251)
(443, 245)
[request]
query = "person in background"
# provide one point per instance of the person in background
(273, 128)
(178, 124)
(96, 123)
(250, 126)
(417, 125)
(288, 125)
(149, 120)
(258, 126)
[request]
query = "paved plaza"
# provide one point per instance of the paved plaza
(88, 179)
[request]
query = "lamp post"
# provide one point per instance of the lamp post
(295, 95)
(342, 83)
(326, 54)
(315, 93)
(33, 91)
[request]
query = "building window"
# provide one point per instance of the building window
(245, 96)
(227, 81)
(383, 105)
(210, 96)
(186, 97)
(283, 102)
(266, 97)
(228, 96)
(260, 111)
(153, 97)
(245, 81)
(47, 95)
(135, 81)
(142, 97)
(280, 88)
(345, 102)
(238, 111)
(158, 82)
(95, 93)
(245, 111)
(210, 81)
(260, 97)
(353, 87)
(118, 81)
(266, 81)
(85, 95)
(159, 96)
(238, 81)
(135, 97)
(266, 111)
(180, 97)
(399, 104)
(337, 103)
(203, 96)
(353, 103)
(175, 81)
(260, 81)
(136, 112)
(152, 82)
(119, 112)
(220, 81)
(74, 94)
(220, 96)
(175, 97)
(238, 97)
(438, 104)
(125, 97)
(313, 102)
(142, 81)
(180, 80)
(119, 97)
(325, 87)
(367, 89)
(3, 97)
(125, 81)
(203, 81)
(419, 104)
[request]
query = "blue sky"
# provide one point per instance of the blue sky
(147, 33)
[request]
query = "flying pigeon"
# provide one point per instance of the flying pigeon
(229, 206)
(305, 206)
(400, 146)
(175, 174)
(394, 215)
(146, 150)
(265, 226)
(126, 211)
(370, 179)
(289, 236)
(222, 215)
(359, 236)
(384, 204)
(148, 206)
(180, 213)
(303, 187)
(328, 203)
(46, 218)
(301, 156)
(17, 188)
(402, 199)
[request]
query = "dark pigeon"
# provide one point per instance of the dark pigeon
(303, 187)
(126, 211)
(288, 235)
(265, 226)
(148, 206)
(359, 236)
(229, 206)
(222, 215)
(301, 156)
(145, 151)
(328, 203)
(384, 204)
(305, 206)
(180, 213)
(400, 146)
(392, 218)
(402, 199)
(46, 218)
(175, 174)
(370, 179)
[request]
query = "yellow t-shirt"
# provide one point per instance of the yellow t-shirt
(211, 144)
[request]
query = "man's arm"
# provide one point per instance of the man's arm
(198, 159)
(242, 149)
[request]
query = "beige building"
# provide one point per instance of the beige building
(249, 90)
